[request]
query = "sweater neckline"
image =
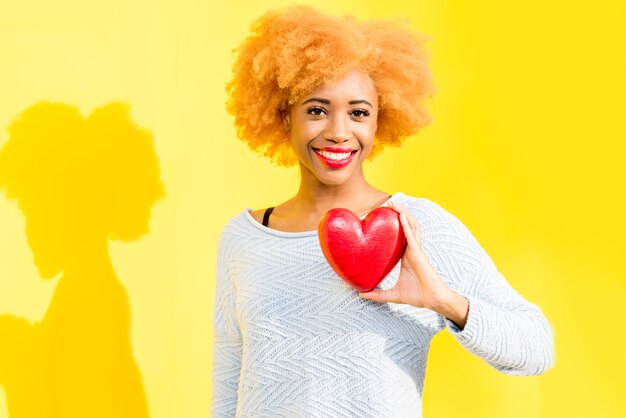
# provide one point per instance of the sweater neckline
(298, 234)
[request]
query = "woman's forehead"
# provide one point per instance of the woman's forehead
(351, 87)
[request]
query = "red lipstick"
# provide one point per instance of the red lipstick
(335, 149)
(335, 163)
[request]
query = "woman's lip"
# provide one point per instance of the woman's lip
(335, 149)
(335, 163)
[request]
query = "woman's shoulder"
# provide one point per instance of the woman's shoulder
(257, 214)
(431, 212)
(443, 225)
(421, 205)
(246, 224)
(234, 225)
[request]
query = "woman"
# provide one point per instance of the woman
(290, 337)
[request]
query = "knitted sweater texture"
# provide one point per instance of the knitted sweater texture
(292, 339)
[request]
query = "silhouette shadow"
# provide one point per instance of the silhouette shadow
(79, 182)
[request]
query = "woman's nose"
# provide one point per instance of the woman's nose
(336, 136)
(337, 131)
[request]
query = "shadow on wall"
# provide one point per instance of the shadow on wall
(79, 182)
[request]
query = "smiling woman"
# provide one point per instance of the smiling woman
(293, 50)
(334, 127)
(291, 338)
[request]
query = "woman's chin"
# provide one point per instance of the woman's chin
(334, 178)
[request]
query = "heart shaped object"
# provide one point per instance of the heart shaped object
(362, 252)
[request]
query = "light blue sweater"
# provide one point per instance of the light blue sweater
(292, 339)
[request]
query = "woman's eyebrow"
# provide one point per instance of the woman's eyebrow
(326, 101)
(360, 101)
(316, 99)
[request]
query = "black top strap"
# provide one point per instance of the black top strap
(266, 216)
(268, 211)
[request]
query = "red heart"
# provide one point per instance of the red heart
(362, 252)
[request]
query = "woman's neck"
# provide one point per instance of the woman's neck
(315, 198)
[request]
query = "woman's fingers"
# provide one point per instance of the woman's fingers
(404, 220)
(412, 223)
(415, 224)
(409, 225)
(397, 207)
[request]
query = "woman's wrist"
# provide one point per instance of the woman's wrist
(454, 307)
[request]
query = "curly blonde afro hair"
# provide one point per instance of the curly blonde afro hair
(294, 49)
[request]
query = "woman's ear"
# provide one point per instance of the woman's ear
(286, 121)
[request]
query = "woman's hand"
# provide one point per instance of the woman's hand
(418, 282)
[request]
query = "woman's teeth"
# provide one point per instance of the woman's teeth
(334, 155)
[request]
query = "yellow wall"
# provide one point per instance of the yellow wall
(527, 149)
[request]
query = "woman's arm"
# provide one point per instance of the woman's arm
(504, 329)
(455, 308)
(227, 346)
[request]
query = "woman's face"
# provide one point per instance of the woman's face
(332, 128)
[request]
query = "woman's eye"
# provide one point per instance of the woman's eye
(360, 113)
(315, 111)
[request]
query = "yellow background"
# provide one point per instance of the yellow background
(527, 149)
